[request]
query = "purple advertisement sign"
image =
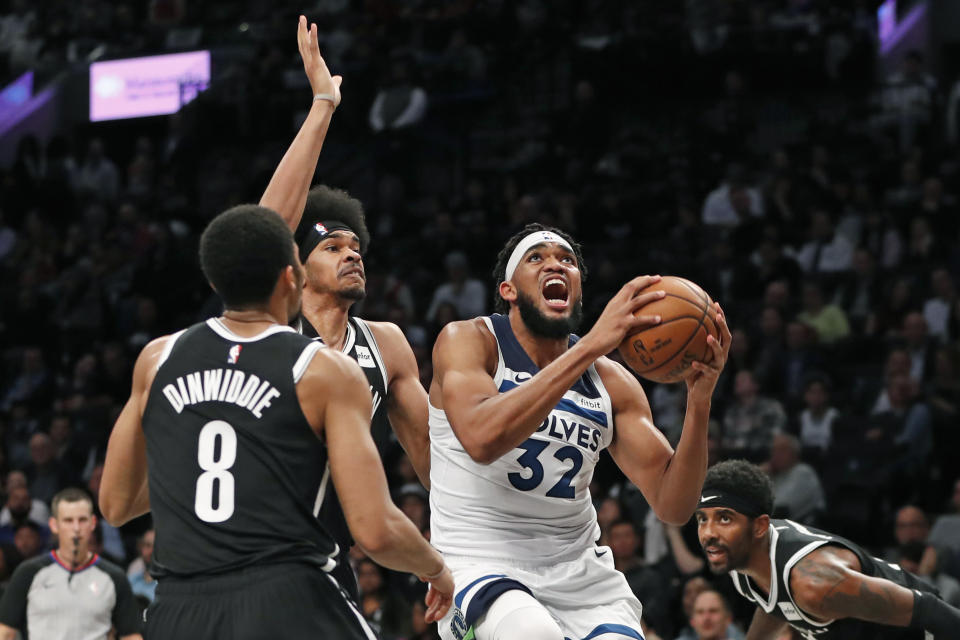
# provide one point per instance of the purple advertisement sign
(152, 86)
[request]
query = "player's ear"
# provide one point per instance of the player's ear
(52, 523)
(507, 291)
(760, 525)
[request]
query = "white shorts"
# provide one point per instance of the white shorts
(587, 597)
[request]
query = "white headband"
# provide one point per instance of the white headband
(532, 240)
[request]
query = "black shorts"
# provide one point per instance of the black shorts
(289, 601)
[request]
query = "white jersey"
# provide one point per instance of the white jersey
(532, 503)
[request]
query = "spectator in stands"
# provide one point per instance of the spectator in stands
(817, 418)
(733, 202)
(32, 385)
(692, 590)
(908, 99)
(45, 475)
(98, 177)
(751, 422)
(112, 538)
(379, 606)
(468, 295)
(138, 572)
(860, 291)
(939, 306)
(20, 505)
(29, 539)
(400, 103)
(911, 557)
(797, 492)
(828, 321)
(646, 581)
(827, 252)
(711, 616)
(919, 346)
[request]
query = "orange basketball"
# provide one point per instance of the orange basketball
(663, 353)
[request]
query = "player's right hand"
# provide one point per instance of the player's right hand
(317, 73)
(620, 318)
(439, 596)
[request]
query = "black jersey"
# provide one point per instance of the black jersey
(235, 470)
(360, 345)
(789, 543)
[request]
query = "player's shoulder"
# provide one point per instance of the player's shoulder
(328, 365)
(473, 329)
(387, 334)
(465, 336)
(617, 379)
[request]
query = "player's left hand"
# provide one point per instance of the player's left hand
(439, 596)
(703, 379)
(320, 79)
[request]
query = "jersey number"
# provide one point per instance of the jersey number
(215, 486)
(530, 460)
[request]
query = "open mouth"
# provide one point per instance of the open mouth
(555, 293)
(716, 555)
(353, 271)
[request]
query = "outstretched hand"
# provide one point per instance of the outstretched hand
(703, 379)
(321, 82)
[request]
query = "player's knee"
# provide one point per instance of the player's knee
(516, 615)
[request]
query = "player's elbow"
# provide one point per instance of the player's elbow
(377, 536)
(482, 451)
(112, 512)
(673, 513)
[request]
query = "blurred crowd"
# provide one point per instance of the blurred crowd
(752, 147)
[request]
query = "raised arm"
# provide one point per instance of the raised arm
(407, 399)
(670, 480)
(489, 423)
(828, 584)
(765, 626)
(287, 192)
(123, 490)
(335, 398)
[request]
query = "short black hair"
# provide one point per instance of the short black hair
(242, 253)
(327, 203)
(500, 269)
(741, 478)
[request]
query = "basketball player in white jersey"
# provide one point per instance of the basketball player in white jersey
(520, 410)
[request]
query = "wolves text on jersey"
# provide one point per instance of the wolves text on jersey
(219, 385)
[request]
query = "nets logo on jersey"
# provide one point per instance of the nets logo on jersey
(234, 354)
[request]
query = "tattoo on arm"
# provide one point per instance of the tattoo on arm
(831, 589)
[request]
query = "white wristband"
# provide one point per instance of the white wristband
(329, 97)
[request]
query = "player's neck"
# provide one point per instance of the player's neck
(541, 350)
(759, 568)
(328, 315)
(250, 322)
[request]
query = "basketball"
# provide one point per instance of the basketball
(663, 353)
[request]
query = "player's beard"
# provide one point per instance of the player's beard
(353, 293)
(545, 327)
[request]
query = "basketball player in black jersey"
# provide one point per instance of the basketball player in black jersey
(825, 587)
(332, 237)
(226, 438)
